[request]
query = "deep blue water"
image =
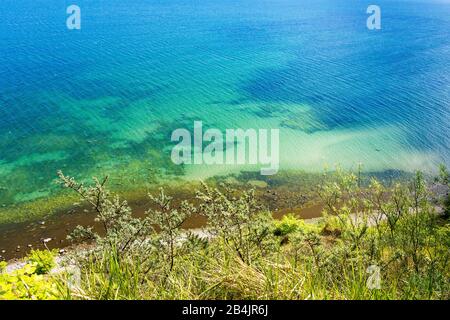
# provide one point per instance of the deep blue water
(104, 99)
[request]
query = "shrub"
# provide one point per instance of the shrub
(444, 179)
(43, 260)
(290, 224)
(331, 226)
(238, 220)
(367, 227)
(26, 284)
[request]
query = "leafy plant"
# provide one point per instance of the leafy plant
(26, 284)
(43, 260)
(239, 221)
(290, 224)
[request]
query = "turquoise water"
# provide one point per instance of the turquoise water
(106, 98)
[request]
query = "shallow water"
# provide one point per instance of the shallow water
(105, 99)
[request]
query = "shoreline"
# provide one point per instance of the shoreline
(288, 192)
(31, 235)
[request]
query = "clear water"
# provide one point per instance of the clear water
(106, 98)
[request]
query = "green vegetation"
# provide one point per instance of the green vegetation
(289, 224)
(43, 260)
(375, 241)
(30, 282)
(444, 179)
